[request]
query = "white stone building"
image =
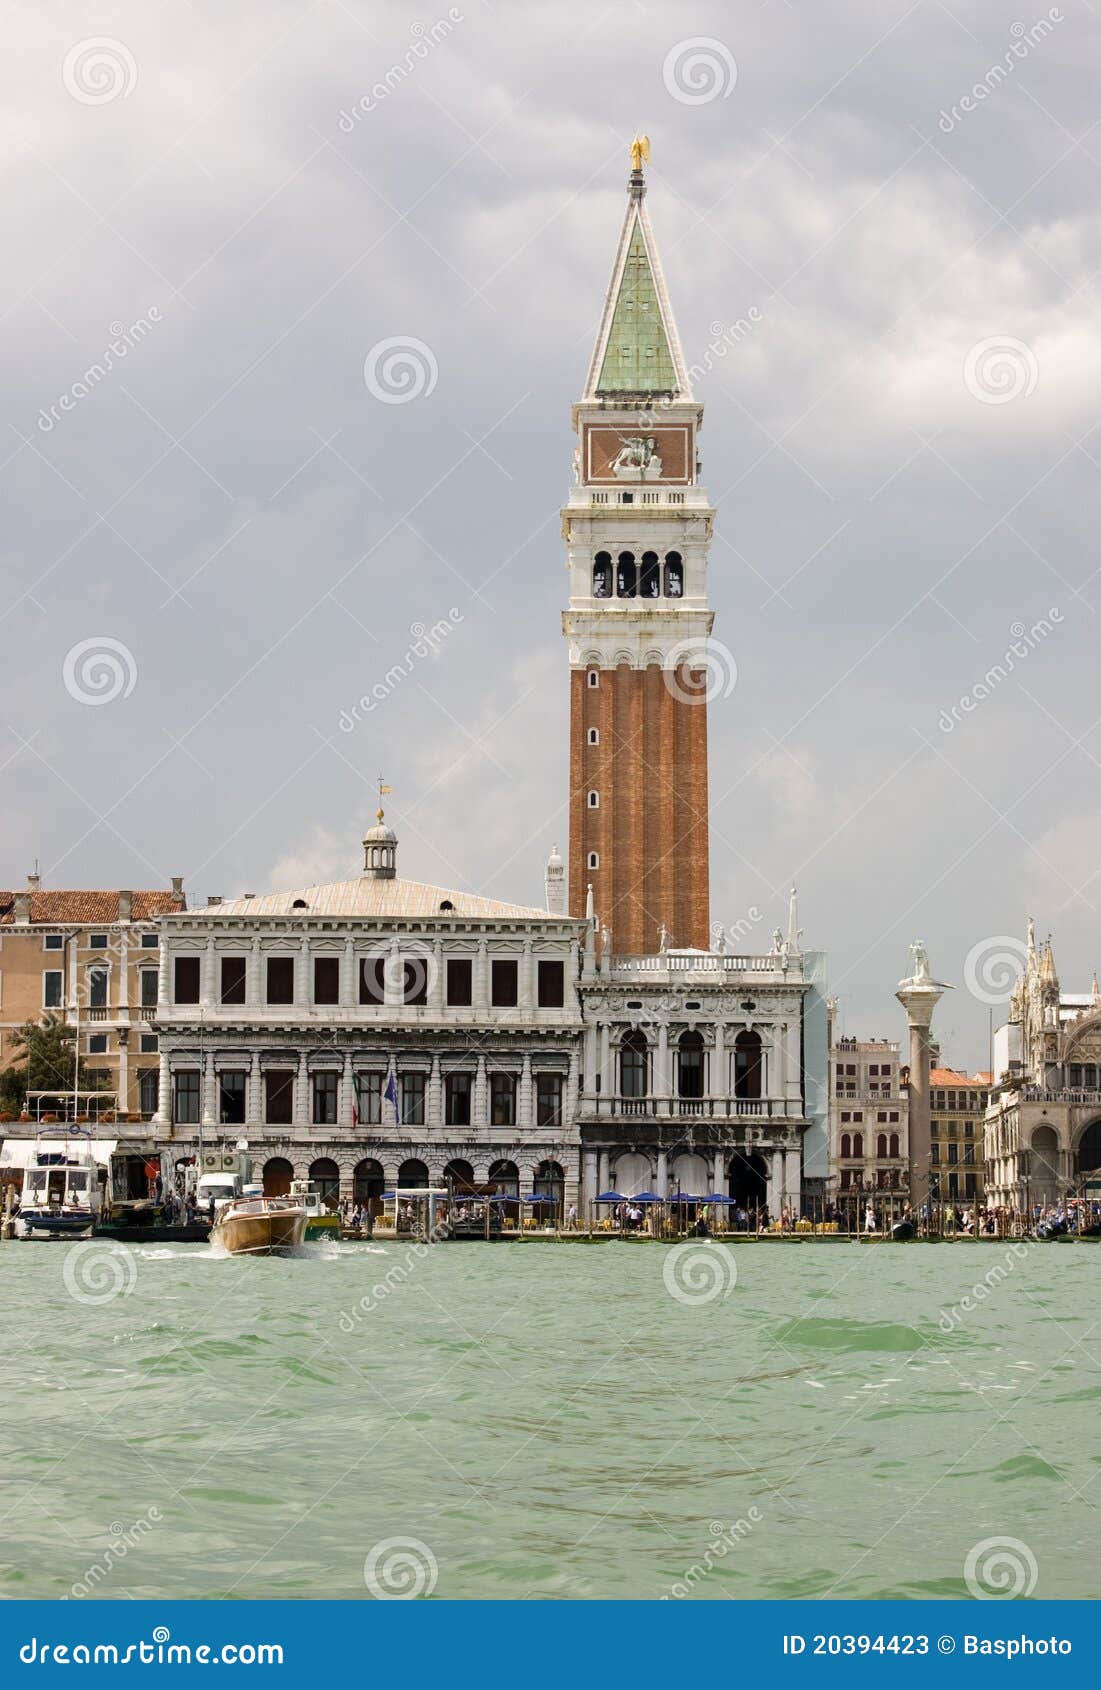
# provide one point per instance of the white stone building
(374, 1032)
(704, 1072)
(1043, 1123)
(869, 1148)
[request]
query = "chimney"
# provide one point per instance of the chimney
(33, 881)
(178, 890)
(126, 904)
(22, 906)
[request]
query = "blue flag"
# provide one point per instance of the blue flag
(391, 1094)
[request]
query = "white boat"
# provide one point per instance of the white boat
(61, 1196)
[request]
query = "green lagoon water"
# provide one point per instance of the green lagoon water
(548, 1421)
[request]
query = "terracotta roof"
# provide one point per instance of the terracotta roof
(367, 896)
(949, 1077)
(52, 909)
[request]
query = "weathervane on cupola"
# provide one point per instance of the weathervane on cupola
(380, 843)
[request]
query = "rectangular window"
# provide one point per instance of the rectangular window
(456, 1099)
(231, 1097)
(953, 1153)
(53, 942)
(936, 1154)
(552, 984)
(369, 1098)
(97, 988)
(149, 984)
(414, 980)
(326, 979)
(97, 941)
(372, 980)
(149, 941)
(51, 988)
(460, 981)
(893, 1116)
(548, 1100)
(233, 979)
(148, 1044)
(873, 1068)
(324, 1099)
(149, 1090)
(279, 1096)
(969, 1154)
(186, 980)
(185, 1084)
(504, 986)
(280, 979)
(502, 1100)
(412, 1099)
(97, 1044)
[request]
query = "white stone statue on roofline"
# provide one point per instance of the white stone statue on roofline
(921, 961)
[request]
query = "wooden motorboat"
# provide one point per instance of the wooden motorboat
(259, 1226)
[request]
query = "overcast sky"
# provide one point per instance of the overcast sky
(903, 448)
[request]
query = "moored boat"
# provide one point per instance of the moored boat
(61, 1195)
(320, 1221)
(255, 1225)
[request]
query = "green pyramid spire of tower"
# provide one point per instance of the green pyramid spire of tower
(637, 357)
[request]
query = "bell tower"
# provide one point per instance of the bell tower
(637, 529)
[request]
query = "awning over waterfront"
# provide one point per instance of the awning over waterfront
(20, 1152)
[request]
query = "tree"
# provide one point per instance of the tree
(44, 1058)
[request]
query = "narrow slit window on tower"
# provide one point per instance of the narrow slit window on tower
(594, 859)
(594, 736)
(602, 575)
(674, 575)
(626, 576)
(594, 677)
(594, 800)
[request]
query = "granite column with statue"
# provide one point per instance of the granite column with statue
(919, 996)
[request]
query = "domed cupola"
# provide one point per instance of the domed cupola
(380, 851)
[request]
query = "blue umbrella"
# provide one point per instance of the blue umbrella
(717, 1197)
(610, 1197)
(646, 1197)
(540, 1197)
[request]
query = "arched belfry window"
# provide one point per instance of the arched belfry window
(634, 1064)
(690, 1065)
(747, 1064)
(602, 575)
(674, 575)
(650, 580)
(626, 576)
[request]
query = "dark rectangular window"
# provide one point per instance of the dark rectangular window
(231, 1097)
(502, 1100)
(149, 1090)
(186, 978)
(279, 1096)
(552, 985)
(97, 988)
(148, 1043)
(149, 941)
(548, 1100)
(280, 979)
(233, 979)
(324, 1099)
(460, 981)
(412, 1100)
(97, 1044)
(51, 988)
(53, 942)
(504, 988)
(326, 979)
(186, 1084)
(456, 1098)
(149, 981)
(369, 1098)
(97, 941)
(372, 980)
(414, 974)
